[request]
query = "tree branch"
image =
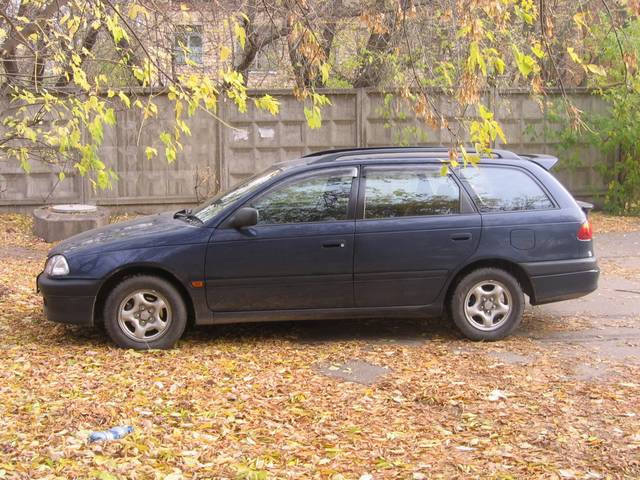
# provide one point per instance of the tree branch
(88, 43)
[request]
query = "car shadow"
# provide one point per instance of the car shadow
(401, 331)
(404, 331)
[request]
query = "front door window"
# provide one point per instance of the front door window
(322, 197)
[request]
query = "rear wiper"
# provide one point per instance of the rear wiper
(186, 214)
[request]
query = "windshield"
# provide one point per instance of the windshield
(211, 208)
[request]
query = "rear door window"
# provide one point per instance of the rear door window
(409, 192)
(504, 189)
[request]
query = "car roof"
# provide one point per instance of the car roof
(375, 154)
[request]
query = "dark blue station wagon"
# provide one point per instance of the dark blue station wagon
(336, 234)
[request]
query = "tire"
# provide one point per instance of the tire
(487, 304)
(145, 312)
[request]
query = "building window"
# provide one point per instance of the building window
(188, 45)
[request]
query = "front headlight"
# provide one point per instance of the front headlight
(56, 266)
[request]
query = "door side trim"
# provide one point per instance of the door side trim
(400, 275)
(259, 316)
(278, 280)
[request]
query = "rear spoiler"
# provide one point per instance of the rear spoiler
(585, 206)
(545, 161)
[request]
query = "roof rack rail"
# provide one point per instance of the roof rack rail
(545, 161)
(334, 154)
(368, 149)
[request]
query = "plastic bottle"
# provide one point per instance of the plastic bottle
(114, 433)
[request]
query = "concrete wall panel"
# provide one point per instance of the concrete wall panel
(217, 155)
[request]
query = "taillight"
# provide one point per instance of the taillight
(586, 232)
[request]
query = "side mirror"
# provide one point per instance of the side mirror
(244, 217)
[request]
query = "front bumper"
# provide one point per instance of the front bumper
(562, 280)
(68, 300)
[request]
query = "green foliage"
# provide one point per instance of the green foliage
(408, 135)
(336, 82)
(618, 134)
(394, 113)
(615, 132)
(558, 131)
(602, 132)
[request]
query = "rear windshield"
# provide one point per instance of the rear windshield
(504, 189)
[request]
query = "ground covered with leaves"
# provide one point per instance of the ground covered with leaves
(260, 401)
(603, 223)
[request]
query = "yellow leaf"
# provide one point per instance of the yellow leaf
(574, 56)
(537, 50)
(125, 99)
(151, 152)
(578, 18)
(136, 9)
(597, 69)
(225, 53)
(268, 103)
(240, 33)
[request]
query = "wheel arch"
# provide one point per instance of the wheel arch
(143, 269)
(507, 265)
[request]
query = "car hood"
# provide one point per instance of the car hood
(144, 232)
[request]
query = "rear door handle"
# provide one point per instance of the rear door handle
(460, 237)
(334, 244)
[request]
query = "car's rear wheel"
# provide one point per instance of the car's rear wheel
(144, 312)
(487, 304)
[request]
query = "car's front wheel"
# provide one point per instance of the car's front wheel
(487, 304)
(145, 312)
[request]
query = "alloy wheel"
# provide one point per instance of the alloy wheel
(487, 305)
(144, 315)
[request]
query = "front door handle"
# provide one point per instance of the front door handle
(334, 244)
(460, 237)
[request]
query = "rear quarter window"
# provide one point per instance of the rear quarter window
(504, 189)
